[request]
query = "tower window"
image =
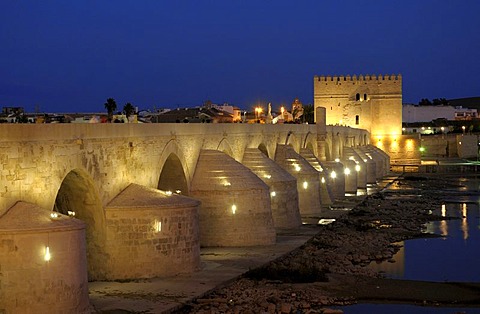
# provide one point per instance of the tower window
(357, 97)
(364, 96)
(357, 119)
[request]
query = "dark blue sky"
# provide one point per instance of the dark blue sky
(72, 55)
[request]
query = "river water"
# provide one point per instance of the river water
(453, 257)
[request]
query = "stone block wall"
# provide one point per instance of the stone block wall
(326, 196)
(373, 103)
(28, 282)
(151, 234)
(337, 182)
(235, 209)
(283, 188)
(308, 179)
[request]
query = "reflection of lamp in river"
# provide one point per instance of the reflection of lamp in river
(464, 221)
(443, 228)
(443, 223)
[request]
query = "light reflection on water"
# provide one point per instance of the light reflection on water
(453, 257)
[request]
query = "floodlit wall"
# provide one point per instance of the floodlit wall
(151, 233)
(283, 188)
(37, 157)
(235, 209)
(43, 262)
(369, 102)
(308, 181)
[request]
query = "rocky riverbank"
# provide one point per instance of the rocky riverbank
(330, 269)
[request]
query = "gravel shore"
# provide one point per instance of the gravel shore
(330, 269)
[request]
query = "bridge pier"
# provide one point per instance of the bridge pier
(336, 179)
(370, 167)
(385, 157)
(360, 167)
(235, 209)
(43, 262)
(308, 183)
(350, 177)
(283, 188)
(379, 162)
(151, 233)
(382, 160)
(326, 197)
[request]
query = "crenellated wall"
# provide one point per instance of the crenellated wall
(354, 78)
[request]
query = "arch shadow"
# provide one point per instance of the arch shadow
(78, 197)
(172, 177)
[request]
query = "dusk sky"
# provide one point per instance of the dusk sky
(70, 56)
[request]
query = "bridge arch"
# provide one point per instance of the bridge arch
(225, 147)
(309, 146)
(172, 177)
(78, 197)
(174, 173)
(263, 149)
(294, 141)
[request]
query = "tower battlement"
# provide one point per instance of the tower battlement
(361, 77)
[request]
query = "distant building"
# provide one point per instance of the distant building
(234, 111)
(415, 113)
(12, 110)
(194, 115)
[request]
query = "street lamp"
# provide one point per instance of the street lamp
(258, 111)
(463, 128)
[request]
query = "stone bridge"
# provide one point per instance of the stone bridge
(86, 202)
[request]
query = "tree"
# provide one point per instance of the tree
(440, 102)
(22, 118)
(425, 102)
(111, 106)
(128, 109)
(308, 113)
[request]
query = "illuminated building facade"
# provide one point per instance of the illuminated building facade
(369, 102)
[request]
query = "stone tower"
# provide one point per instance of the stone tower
(369, 102)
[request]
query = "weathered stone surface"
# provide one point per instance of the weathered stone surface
(235, 208)
(151, 233)
(31, 283)
(283, 188)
